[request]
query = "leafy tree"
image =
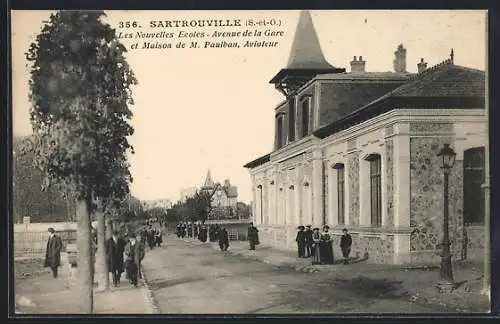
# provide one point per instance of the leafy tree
(80, 90)
(28, 197)
(199, 206)
(243, 210)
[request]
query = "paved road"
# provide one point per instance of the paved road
(187, 278)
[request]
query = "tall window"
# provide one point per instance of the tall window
(291, 119)
(340, 193)
(473, 179)
(305, 117)
(375, 189)
(280, 131)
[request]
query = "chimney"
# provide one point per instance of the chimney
(400, 59)
(358, 66)
(422, 66)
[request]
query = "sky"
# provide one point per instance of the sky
(213, 108)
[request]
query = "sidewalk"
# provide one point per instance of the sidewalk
(420, 283)
(36, 292)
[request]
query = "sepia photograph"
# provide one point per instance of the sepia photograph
(250, 162)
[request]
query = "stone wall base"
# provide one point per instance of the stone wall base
(372, 248)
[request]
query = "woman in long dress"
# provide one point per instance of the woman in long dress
(316, 253)
(326, 246)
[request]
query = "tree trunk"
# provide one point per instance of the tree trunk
(102, 264)
(85, 279)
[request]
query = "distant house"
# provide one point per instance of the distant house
(224, 196)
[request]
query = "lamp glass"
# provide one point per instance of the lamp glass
(448, 156)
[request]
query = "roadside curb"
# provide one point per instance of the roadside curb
(148, 295)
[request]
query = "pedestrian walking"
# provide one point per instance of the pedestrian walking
(53, 252)
(253, 236)
(190, 229)
(203, 235)
(158, 237)
(316, 250)
(308, 241)
(223, 239)
(115, 247)
(326, 246)
(134, 252)
(178, 230)
(345, 245)
(301, 241)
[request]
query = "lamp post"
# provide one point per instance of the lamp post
(446, 274)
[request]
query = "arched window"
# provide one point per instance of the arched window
(339, 168)
(473, 179)
(375, 189)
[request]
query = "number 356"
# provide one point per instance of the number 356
(127, 24)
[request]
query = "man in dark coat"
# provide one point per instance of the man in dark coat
(135, 252)
(253, 236)
(301, 241)
(115, 246)
(178, 230)
(223, 239)
(53, 252)
(345, 245)
(308, 241)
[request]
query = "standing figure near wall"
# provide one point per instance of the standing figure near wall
(223, 239)
(308, 241)
(253, 236)
(326, 246)
(301, 241)
(53, 252)
(345, 245)
(316, 250)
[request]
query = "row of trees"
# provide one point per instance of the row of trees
(80, 92)
(50, 205)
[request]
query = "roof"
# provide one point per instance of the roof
(444, 86)
(259, 161)
(231, 191)
(306, 57)
(306, 51)
(209, 183)
(366, 76)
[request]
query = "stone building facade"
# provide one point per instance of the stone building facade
(359, 150)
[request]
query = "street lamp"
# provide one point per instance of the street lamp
(446, 274)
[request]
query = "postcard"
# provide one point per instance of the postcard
(250, 162)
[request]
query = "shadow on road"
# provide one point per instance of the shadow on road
(343, 295)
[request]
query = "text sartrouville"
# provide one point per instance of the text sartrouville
(195, 23)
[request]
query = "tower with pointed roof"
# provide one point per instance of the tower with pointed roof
(209, 183)
(306, 59)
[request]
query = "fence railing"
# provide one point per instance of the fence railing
(33, 244)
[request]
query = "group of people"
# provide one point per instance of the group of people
(318, 245)
(152, 236)
(124, 253)
(201, 232)
(193, 230)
